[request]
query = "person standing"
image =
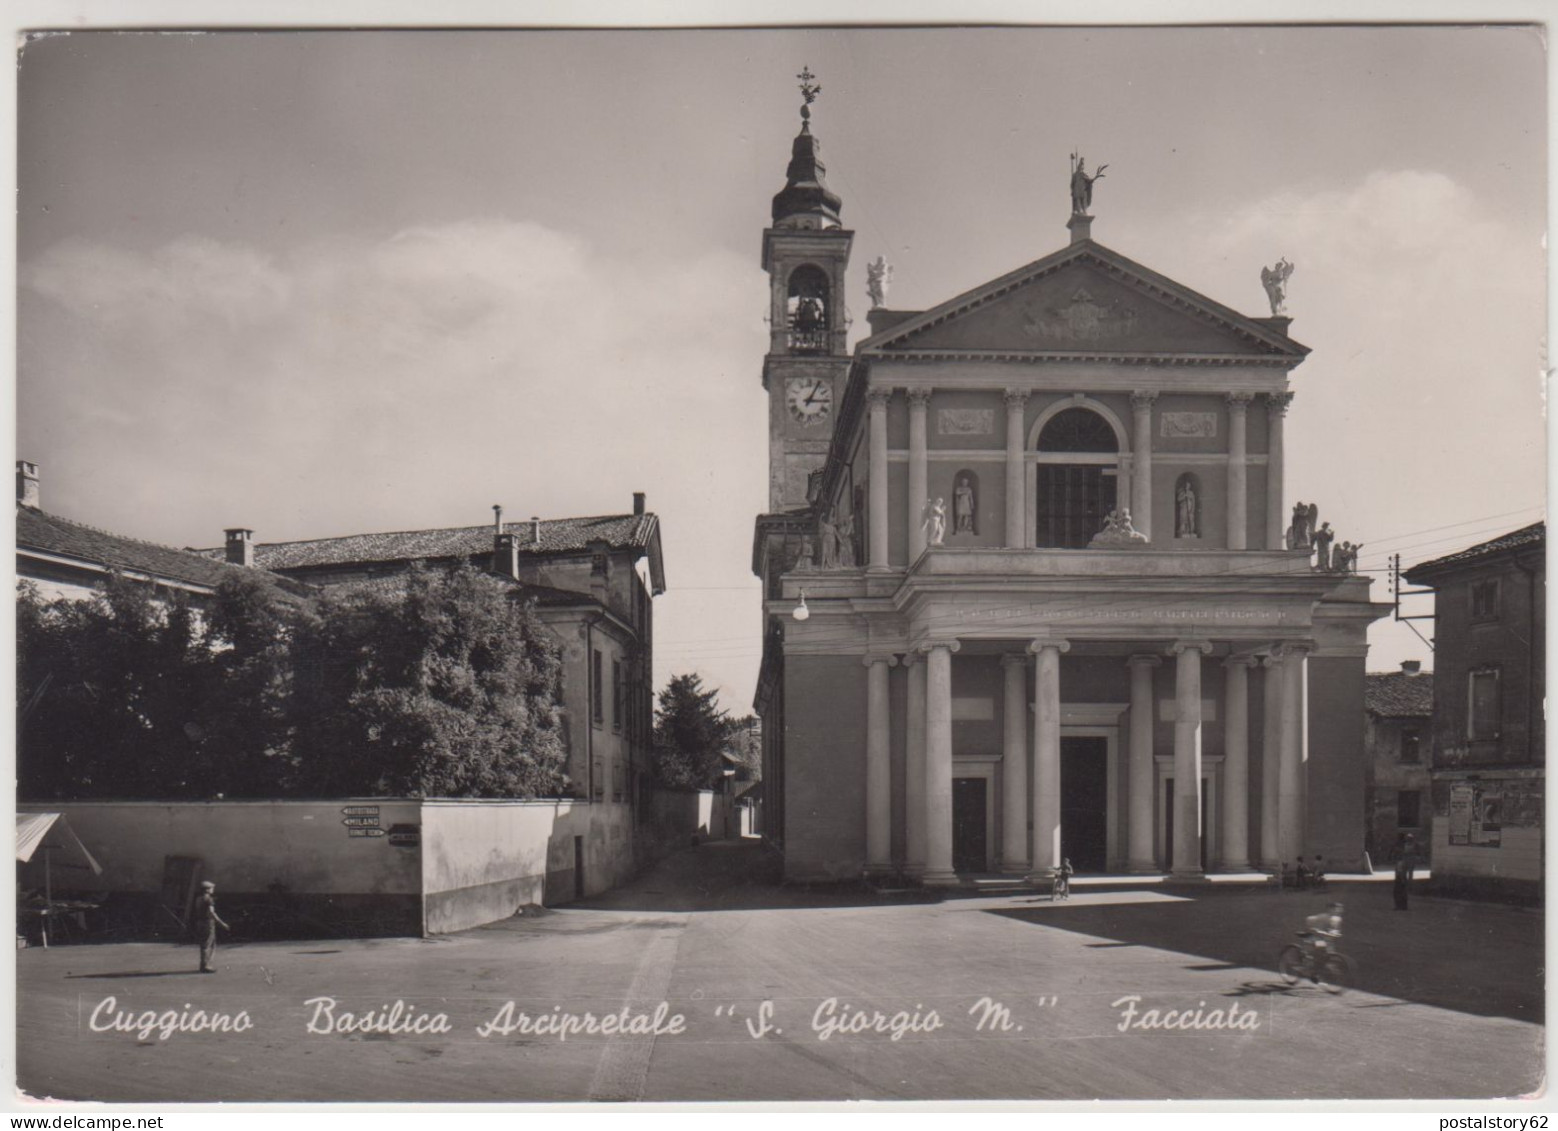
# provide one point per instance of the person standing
(208, 920)
(1403, 884)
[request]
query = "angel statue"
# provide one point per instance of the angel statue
(935, 521)
(1275, 280)
(879, 276)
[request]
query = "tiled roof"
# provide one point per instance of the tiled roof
(558, 536)
(1397, 695)
(51, 534)
(1527, 536)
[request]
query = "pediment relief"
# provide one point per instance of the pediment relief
(1081, 306)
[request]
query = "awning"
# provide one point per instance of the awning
(35, 831)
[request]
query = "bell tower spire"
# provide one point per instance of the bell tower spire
(806, 253)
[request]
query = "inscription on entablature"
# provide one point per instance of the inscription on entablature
(1180, 425)
(1083, 319)
(965, 421)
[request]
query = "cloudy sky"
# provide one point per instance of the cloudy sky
(334, 282)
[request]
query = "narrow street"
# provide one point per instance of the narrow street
(995, 997)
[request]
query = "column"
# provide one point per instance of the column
(1016, 471)
(1276, 413)
(1236, 764)
(1290, 791)
(1046, 753)
(877, 552)
(1144, 771)
(1270, 758)
(914, 769)
(1238, 497)
(1141, 462)
(879, 782)
(938, 764)
(918, 490)
(1187, 757)
(1014, 768)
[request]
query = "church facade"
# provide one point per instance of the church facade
(1033, 589)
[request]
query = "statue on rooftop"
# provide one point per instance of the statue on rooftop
(828, 536)
(1301, 534)
(846, 532)
(879, 276)
(1323, 539)
(1275, 280)
(1082, 185)
(1118, 530)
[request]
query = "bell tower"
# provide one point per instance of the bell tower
(805, 252)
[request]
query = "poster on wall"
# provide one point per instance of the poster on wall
(1476, 816)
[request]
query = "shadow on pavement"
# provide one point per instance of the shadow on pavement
(1476, 959)
(735, 875)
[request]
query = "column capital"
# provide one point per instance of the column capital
(1014, 660)
(1238, 401)
(1038, 645)
(1144, 662)
(887, 658)
(929, 646)
(1016, 398)
(1244, 660)
(877, 398)
(1277, 403)
(918, 396)
(1180, 647)
(908, 659)
(1142, 400)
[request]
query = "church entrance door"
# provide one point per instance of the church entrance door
(1084, 801)
(969, 844)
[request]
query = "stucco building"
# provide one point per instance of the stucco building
(1398, 744)
(1489, 776)
(593, 582)
(1016, 678)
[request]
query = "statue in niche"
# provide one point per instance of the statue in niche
(828, 538)
(1186, 508)
(1082, 185)
(1323, 539)
(879, 276)
(1301, 534)
(1118, 530)
(935, 521)
(963, 506)
(1275, 280)
(846, 535)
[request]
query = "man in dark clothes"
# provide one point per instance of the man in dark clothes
(1404, 865)
(207, 921)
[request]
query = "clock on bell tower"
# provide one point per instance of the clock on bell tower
(805, 252)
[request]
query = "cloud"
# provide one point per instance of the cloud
(355, 385)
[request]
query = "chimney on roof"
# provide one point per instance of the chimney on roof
(1411, 667)
(497, 519)
(505, 555)
(638, 502)
(240, 546)
(26, 483)
(535, 530)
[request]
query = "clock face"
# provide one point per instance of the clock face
(810, 399)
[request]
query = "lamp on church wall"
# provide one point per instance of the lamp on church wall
(801, 612)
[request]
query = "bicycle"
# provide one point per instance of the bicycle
(1329, 969)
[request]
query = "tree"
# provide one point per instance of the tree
(434, 684)
(690, 735)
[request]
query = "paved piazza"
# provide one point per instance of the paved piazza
(1448, 1003)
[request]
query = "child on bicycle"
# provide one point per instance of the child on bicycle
(1321, 932)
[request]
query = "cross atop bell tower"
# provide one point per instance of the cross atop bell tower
(806, 253)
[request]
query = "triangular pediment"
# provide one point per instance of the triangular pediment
(1085, 300)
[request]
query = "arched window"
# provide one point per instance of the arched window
(808, 310)
(1074, 497)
